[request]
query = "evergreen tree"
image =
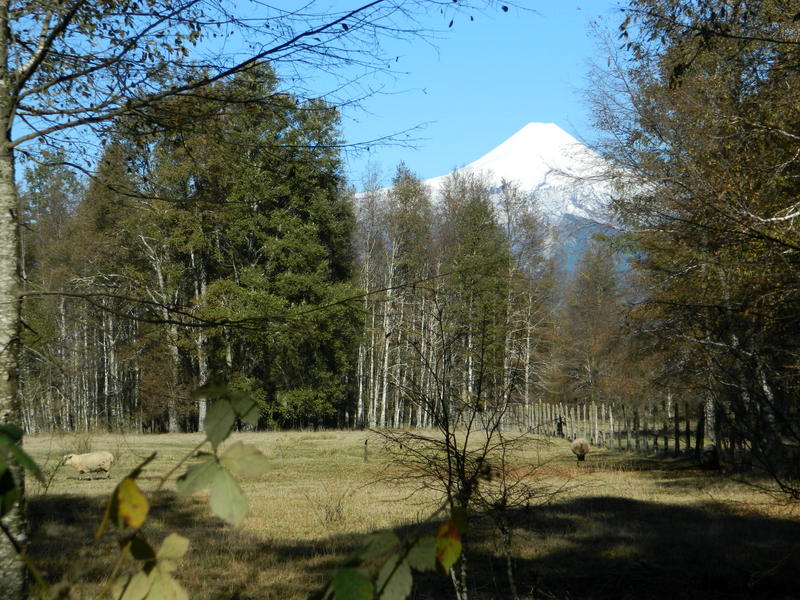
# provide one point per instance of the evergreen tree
(475, 259)
(262, 226)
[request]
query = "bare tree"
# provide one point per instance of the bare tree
(473, 373)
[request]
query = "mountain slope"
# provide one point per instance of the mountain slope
(566, 177)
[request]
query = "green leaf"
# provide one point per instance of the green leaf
(9, 434)
(10, 437)
(394, 580)
(9, 493)
(132, 587)
(26, 462)
(141, 549)
(422, 555)
(379, 545)
(459, 517)
(238, 402)
(173, 547)
(158, 584)
(227, 500)
(212, 390)
(246, 409)
(165, 586)
(199, 476)
(350, 584)
(219, 421)
(244, 461)
(448, 545)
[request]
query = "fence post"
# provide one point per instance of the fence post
(699, 440)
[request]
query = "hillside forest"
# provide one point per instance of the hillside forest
(220, 241)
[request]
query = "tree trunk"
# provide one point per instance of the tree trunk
(202, 377)
(202, 358)
(173, 425)
(385, 359)
(701, 430)
(358, 420)
(13, 534)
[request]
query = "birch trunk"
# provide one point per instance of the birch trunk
(386, 349)
(358, 421)
(373, 374)
(14, 526)
(202, 358)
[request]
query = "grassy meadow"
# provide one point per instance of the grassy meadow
(619, 526)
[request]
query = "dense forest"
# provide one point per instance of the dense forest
(209, 246)
(219, 240)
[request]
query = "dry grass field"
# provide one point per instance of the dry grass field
(622, 526)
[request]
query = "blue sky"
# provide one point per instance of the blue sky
(483, 81)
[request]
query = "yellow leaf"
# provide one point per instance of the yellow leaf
(448, 545)
(132, 504)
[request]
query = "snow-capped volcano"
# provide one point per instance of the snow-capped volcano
(566, 177)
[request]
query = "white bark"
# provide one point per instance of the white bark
(14, 526)
(358, 420)
(202, 358)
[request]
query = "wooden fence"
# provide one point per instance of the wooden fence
(667, 428)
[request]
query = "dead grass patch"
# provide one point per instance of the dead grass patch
(622, 527)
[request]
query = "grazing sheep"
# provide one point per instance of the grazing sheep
(580, 447)
(709, 457)
(93, 462)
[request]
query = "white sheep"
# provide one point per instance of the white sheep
(580, 447)
(93, 462)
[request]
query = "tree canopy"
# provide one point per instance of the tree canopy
(701, 111)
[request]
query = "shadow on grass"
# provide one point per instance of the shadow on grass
(222, 562)
(63, 528)
(590, 547)
(611, 547)
(625, 548)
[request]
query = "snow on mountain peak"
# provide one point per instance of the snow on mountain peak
(565, 176)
